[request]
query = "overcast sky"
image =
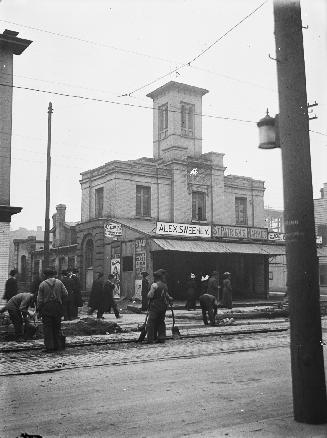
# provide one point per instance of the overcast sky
(104, 49)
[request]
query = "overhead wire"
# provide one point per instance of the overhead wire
(188, 63)
(95, 99)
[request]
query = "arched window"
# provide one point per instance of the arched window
(89, 250)
(23, 267)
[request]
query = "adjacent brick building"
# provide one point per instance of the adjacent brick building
(217, 221)
(29, 254)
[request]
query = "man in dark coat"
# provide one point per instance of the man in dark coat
(208, 305)
(227, 291)
(191, 291)
(11, 287)
(108, 298)
(213, 285)
(145, 290)
(17, 308)
(50, 299)
(68, 302)
(96, 294)
(159, 300)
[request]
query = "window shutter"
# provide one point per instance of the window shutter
(138, 201)
(190, 118)
(194, 206)
(183, 117)
(147, 201)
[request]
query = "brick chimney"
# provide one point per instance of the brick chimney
(59, 222)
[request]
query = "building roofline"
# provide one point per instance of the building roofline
(172, 84)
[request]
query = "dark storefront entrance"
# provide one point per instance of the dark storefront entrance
(249, 271)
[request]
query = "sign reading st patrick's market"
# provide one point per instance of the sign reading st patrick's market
(186, 230)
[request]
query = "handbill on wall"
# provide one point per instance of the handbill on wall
(115, 270)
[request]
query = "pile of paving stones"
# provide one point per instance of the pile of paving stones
(83, 327)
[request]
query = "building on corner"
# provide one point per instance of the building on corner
(176, 210)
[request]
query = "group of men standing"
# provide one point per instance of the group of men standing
(53, 299)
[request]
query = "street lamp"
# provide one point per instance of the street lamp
(268, 132)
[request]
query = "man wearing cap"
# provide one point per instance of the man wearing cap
(145, 290)
(208, 305)
(17, 308)
(227, 291)
(159, 300)
(50, 298)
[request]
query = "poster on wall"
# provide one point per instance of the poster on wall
(140, 257)
(115, 270)
(138, 290)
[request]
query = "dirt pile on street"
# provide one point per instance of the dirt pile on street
(90, 326)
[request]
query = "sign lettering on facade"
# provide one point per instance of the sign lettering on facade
(111, 229)
(234, 232)
(115, 270)
(282, 237)
(186, 230)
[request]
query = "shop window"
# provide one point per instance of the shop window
(187, 119)
(323, 275)
(143, 201)
(99, 202)
(241, 217)
(128, 263)
(89, 250)
(198, 206)
(23, 267)
(163, 121)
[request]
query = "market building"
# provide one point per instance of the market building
(177, 210)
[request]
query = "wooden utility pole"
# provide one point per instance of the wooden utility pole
(307, 362)
(47, 194)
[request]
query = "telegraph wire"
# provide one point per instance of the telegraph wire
(188, 63)
(95, 99)
(83, 40)
(317, 132)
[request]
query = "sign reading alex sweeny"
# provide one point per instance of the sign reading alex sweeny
(186, 230)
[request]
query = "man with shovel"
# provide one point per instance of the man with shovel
(159, 301)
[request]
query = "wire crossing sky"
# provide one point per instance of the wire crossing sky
(102, 58)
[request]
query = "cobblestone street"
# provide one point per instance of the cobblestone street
(29, 362)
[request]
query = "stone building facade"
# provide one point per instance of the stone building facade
(132, 210)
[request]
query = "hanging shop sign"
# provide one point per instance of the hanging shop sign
(276, 236)
(234, 232)
(111, 229)
(185, 230)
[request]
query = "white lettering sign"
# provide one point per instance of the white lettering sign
(276, 236)
(111, 229)
(232, 232)
(186, 230)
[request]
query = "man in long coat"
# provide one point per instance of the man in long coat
(145, 290)
(96, 295)
(11, 287)
(108, 298)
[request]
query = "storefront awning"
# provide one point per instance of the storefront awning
(199, 246)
